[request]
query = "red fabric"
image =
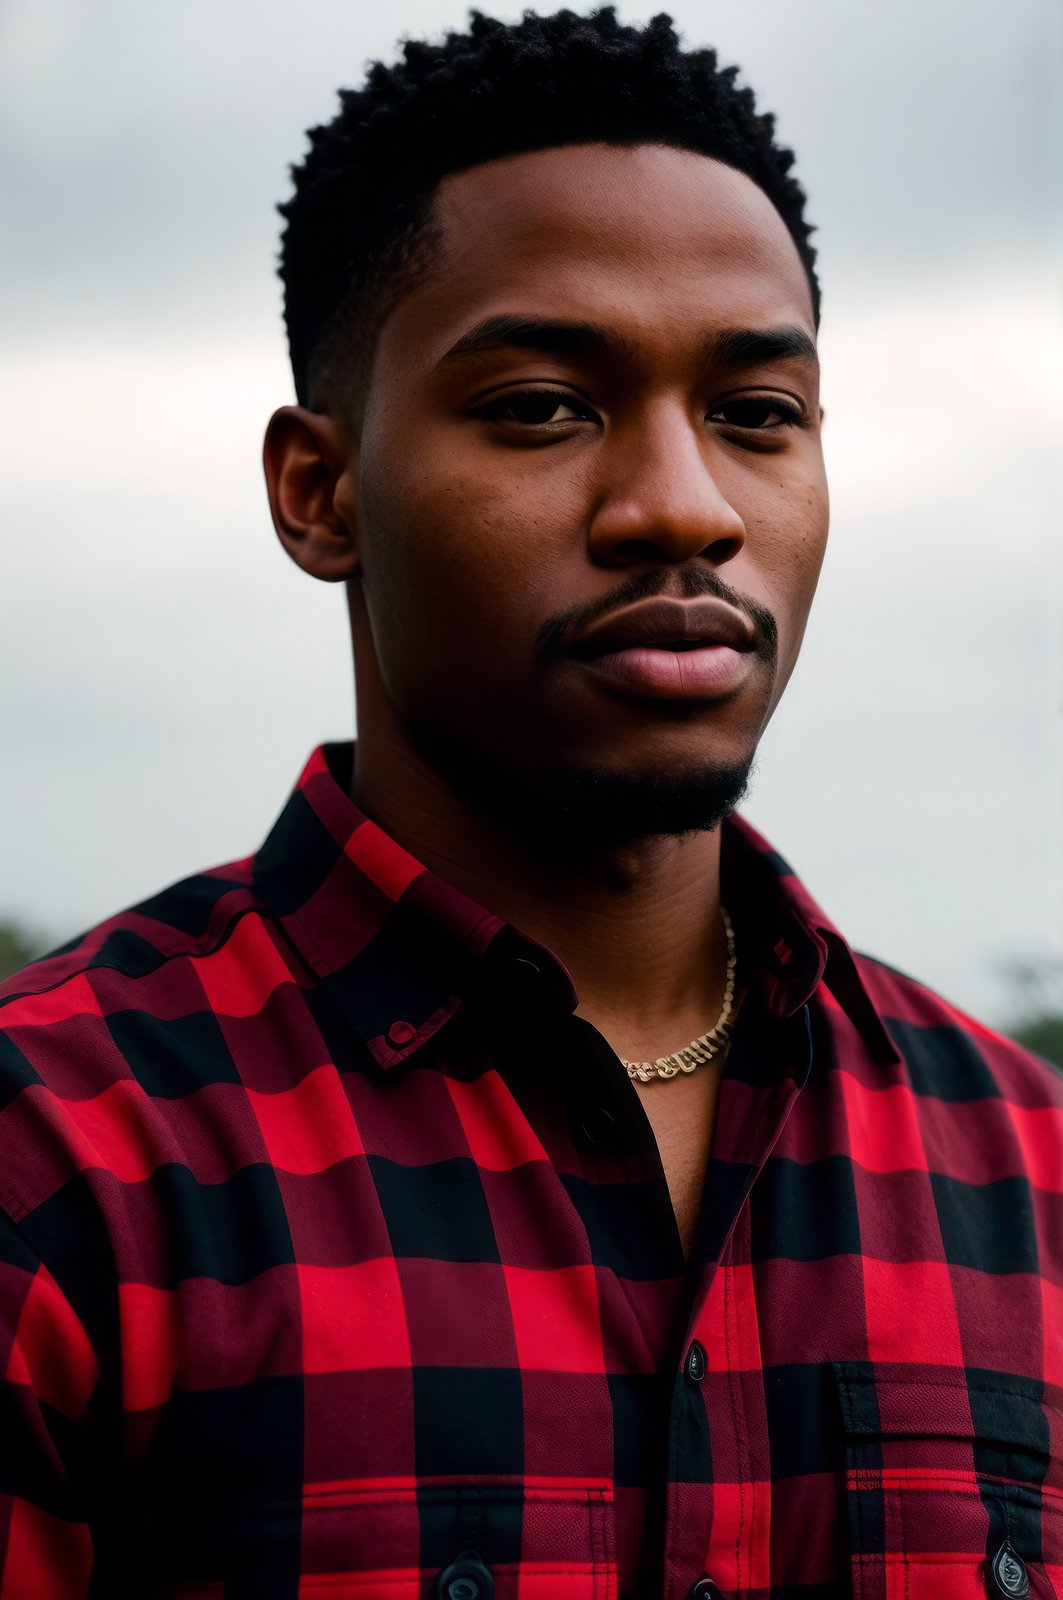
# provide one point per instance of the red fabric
(334, 1245)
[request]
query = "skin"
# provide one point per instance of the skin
(463, 524)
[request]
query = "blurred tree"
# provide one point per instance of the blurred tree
(17, 946)
(1038, 1008)
(1045, 1035)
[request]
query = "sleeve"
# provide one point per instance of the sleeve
(49, 1373)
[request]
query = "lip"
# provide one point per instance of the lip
(710, 672)
(661, 624)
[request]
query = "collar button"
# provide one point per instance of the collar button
(400, 1034)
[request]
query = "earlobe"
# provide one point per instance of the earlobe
(308, 462)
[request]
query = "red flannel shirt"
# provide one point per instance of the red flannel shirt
(337, 1259)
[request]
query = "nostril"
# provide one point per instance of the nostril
(721, 550)
(638, 549)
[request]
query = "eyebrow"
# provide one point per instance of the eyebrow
(538, 333)
(746, 347)
(735, 347)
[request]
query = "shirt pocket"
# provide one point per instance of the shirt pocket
(537, 1541)
(945, 1477)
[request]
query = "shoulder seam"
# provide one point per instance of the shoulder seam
(264, 913)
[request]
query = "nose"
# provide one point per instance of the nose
(658, 497)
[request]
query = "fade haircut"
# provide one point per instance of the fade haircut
(359, 229)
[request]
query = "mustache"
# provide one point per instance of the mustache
(694, 582)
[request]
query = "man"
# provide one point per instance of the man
(507, 1181)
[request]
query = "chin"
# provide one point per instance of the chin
(589, 807)
(606, 799)
(616, 806)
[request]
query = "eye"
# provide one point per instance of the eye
(536, 408)
(757, 414)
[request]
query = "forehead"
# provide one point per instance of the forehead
(648, 237)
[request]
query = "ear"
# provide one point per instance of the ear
(309, 464)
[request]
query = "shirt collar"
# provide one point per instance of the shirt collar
(799, 946)
(397, 947)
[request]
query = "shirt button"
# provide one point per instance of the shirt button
(400, 1033)
(704, 1589)
(465, 1579)
(696, 1367)
(1007, 1574)
(598, 1125)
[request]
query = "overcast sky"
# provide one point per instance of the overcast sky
(165, 670)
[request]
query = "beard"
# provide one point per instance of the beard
(615, 808)
(578, 810)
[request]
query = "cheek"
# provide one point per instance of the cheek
(455, 581)
(790, 544)
(792, 539)
(422, 538)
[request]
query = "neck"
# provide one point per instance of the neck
(637, 924)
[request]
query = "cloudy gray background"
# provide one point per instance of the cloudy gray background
(165, 670)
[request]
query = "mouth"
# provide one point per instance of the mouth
(685, 644)
(671, 649)
(691, 671)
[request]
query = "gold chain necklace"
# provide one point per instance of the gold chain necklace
(707, 1045)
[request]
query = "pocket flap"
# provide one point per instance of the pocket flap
(884, 1400)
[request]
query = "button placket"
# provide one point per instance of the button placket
(726, 1317)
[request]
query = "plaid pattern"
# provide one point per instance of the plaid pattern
(334, 1246)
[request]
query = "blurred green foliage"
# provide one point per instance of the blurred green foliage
(1037, 1007)
(18, 945)
(1045, 1036)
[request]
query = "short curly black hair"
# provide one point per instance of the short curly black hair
(359, 230)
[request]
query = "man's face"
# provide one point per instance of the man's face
(521, 492)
